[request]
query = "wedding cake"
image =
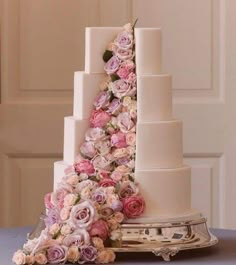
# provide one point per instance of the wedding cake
(122, 171)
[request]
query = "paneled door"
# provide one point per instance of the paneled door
(42, 44)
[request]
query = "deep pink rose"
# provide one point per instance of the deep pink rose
(112, 65)
(123, 73)
(47, 201)
(118, 140)
(107, 182)
(99, 118)
(99, 228)
(124, 40)
(114, 107)
(102, 100)
(84, 166)
(133, 206)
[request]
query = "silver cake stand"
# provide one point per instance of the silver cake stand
(164, 239)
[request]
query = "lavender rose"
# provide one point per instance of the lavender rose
(87, 149)
(114, 107)
(56, 254)
(124, 54)
(124, 40)
(53, 216)
(112, 65)
(102, 100)
(125, 122)
(82, 215)
(88, 253)
(99, 195)
(79, 238)
(121, 88)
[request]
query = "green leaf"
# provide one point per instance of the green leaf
(107, 55)
(117, 187)
(77, 200)
(55, 236)
(114, 77)
(94, 178)
(131, 178)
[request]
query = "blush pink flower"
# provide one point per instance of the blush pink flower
(133, 206)
(118, 140)
(47, 201)
(84, 166)
(99, 118)
(131, 138)
(87, 149)
(112, 65)
(124, 54)
(57, 197)
(99, 229)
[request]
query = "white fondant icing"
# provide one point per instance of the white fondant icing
(74, 133)
(159, 145)
(148, 50)
(86, 88)
(96, 41)
(166, 191)
(59, 172)
(154, 98)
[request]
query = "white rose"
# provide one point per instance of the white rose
(65, 213)
(66, 229)
(40, 258)
(69, 200)
(19, 258)
(116, 235)
(54, 229)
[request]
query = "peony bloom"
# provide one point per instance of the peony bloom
(82, 215)
(84, 166)
(47, 201)
(133, 206)
(78, 238)
(97, 242)
(57, 254)
(88, 253)
(99, 118)
(102, 100)
(112, 65)
(57, 197)
(99, 228)
(101, 163)
(107, 182)
(87, 149)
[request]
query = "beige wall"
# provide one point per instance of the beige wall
(42, 44)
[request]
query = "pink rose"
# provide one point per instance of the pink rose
(125, 123)
(107, 182)
(78, 238)
(114, 107)
(84, 166)
(133, 206)
(125, 69)
(118, 140)
(99, 118)
(101, 163)
(116, 175)
(100, 229)
(87, 149)
(131, 138)
(47, 201)
(112, 65)
(124, 40)
(121, 88)
(102, 100)
(103, 147)
(132, 78)
(95, 134)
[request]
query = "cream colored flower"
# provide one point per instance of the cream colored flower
(113, 224)
(98, 243)
(116, 234)
(73, 254)
(106, 256)
(119, 217)
(72, 180)
(29, 259)
(104, 84)
(69, 200)
(85, 193)
(19, 257)
(66, 229)
(54, 229)
(40, 258)
(65, 213)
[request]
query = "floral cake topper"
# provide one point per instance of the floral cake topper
(99, 191)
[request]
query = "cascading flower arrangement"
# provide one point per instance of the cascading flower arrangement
(99, 191)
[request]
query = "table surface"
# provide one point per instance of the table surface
(223, 253)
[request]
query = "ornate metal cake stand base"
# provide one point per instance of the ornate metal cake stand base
(164, 239)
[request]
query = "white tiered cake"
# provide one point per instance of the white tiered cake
(165, 182)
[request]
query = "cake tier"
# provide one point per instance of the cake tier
(96, 41)
(86, 87)
(148, 50)
(159, 145)
(166, 191)
(154, 98)
(59, 172)
(74, 132)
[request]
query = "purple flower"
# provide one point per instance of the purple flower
(121, 88)
(52, 217)
(88, 253)
(99, 196)
(56, 254)
(117, 206)
(102, 100)
(112, 65)
(124, 40)
(87, 149)
(115, 106)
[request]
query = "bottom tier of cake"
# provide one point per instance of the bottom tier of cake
(167, 192)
